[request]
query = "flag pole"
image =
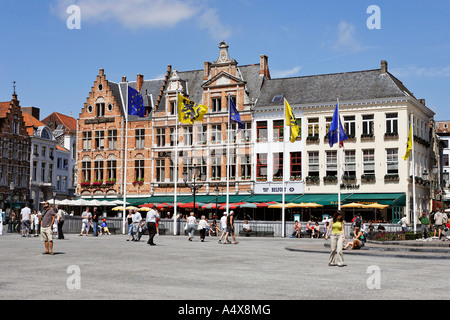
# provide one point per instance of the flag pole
(338, 157)
(175, 198)
(413, 172)
(125, 162)
(283, 215)
(228, 157)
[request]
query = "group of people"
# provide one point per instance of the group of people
(226, 224)
(137, 226)
(437, 222)
(313, 231)
(89, 220)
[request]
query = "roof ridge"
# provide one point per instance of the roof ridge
(325, 74)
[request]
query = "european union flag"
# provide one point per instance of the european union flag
(234, 115)
(135, 103)
(332, 133)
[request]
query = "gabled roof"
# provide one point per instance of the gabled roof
(150, 89)
(4, 107)
(327, 88)
(69, 123)
(31, 123)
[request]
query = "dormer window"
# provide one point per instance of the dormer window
(278, 98)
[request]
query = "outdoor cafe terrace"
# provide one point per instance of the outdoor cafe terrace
(377, 207)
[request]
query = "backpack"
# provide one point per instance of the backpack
(358, 222)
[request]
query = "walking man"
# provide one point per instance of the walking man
(438, 223)
(223, 224)
(137, 221)
(151, 224)
(25, 214)
(230, 227)
(48, 219)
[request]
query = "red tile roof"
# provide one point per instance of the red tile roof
(68, 122)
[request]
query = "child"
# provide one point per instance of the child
(105, 227)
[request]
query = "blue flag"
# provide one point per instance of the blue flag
(234, 115)
(135, 103)
(332, 133)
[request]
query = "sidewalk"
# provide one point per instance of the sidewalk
(418, 249)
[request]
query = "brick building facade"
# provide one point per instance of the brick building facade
(151, 140)
(14, 155)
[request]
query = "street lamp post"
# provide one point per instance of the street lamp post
(217, 197)
(12, 186)
(193, 186)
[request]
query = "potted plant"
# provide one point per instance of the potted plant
(138, 181)
(110, 181)
(97, 183)
(85, 184)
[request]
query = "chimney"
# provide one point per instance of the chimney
(124, 79)
(384, 67)
(101, 72)
(139, 82)
(264, 67)
(35, 112)
(422, 101)
(206, 70)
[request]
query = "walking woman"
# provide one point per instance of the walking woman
(191, 222)
(129, 222)
(337, 238)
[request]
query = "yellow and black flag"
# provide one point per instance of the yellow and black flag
(409, 145)
(291, 121)
(189, 111)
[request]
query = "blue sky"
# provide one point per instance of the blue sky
(54, 66)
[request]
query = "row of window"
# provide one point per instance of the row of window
(14, 149)
(18, 175)
(97, 141)
(95, 170)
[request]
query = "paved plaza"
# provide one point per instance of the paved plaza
(109, 267)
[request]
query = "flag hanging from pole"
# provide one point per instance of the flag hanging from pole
(135, 103)
(234, 115)
(189, 111)
(333, 132)
(291, 121)
(409, 146)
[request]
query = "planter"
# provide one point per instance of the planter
(368, 178)
(312, 179)
(391, 178)
(330, 179)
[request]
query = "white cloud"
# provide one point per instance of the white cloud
(134, 14)
(285, 73)
(413, 71)
(209, 20)
(346, 38)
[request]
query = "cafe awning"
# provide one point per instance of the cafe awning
(392, 199)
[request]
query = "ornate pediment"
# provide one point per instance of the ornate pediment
(223, 79)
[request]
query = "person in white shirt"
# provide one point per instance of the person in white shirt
(203, 223)
(191, 222)
(25, 214)
(223, 224)
(137, 222)
(86, 217)
(152, 215)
